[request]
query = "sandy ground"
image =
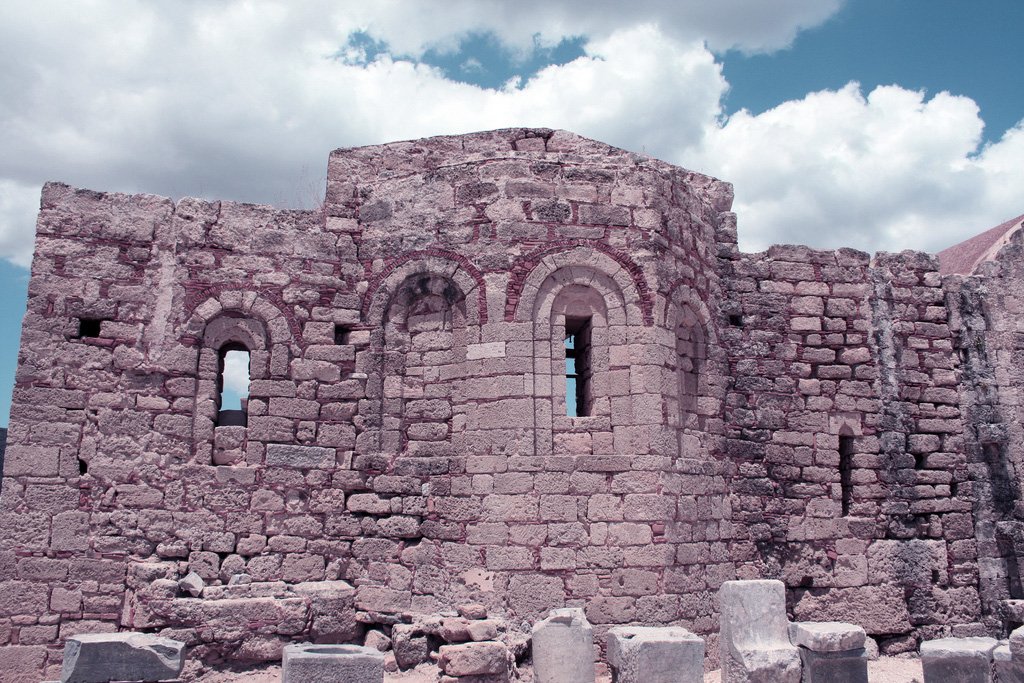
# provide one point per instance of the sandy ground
(883, 670)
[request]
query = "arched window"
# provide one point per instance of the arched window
(233, 385)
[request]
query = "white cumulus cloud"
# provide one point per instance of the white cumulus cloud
(243, 100)
(890, 170)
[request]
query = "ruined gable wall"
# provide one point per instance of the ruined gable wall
(825, 348)
(424, 456)
(621, 510)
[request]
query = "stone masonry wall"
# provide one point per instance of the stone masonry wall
(408, 443)
(986, 314)
(830, 346)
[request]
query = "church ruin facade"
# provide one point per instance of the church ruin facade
(517, 368)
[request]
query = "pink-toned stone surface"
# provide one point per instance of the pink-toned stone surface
(965, 257)
(407, 430)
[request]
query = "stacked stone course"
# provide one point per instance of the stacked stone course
(407, 438)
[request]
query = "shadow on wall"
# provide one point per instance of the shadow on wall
(3, 447)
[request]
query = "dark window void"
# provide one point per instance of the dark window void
(233, 386)
(89, 327)
(736, 320)
(846, 472)
(577, 366)
(341, 334)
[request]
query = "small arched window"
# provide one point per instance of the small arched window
(233, 385)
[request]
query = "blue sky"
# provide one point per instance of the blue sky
(878, 124)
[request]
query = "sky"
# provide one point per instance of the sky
(876, 124)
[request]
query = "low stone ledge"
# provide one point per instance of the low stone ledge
(305, 663)
(103, 657)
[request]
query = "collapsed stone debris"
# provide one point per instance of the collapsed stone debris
(519, 369)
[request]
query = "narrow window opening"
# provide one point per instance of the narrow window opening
(577, 367)
(83, 467)
(846, 471)
(341, 334)
(736, 320)
(233, 386)
(89, 327)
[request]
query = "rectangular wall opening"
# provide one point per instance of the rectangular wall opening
(89, 328)
(342, 334)
(234, 387)
(846, 472)
(577, 367)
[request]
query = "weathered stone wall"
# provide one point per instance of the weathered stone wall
(986, 315)
(830, 346)
(790, 414)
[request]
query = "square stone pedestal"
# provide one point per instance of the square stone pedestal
(830, 651)
(965, 660)
(640, 654)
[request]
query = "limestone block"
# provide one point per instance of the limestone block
(827, 636)
(472, 611)
(754, 638)
(474, 659)
(484, 629)
(1007, 668)
(377, 640)
(192, 584)
(965, 660)
(1016, 643)
(411, 647)
(563, 648)
(332, 610)
(300, 457)
(102, 657)
(655, 655)
(305, 663)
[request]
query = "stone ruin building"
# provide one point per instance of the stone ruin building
(518, 368)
